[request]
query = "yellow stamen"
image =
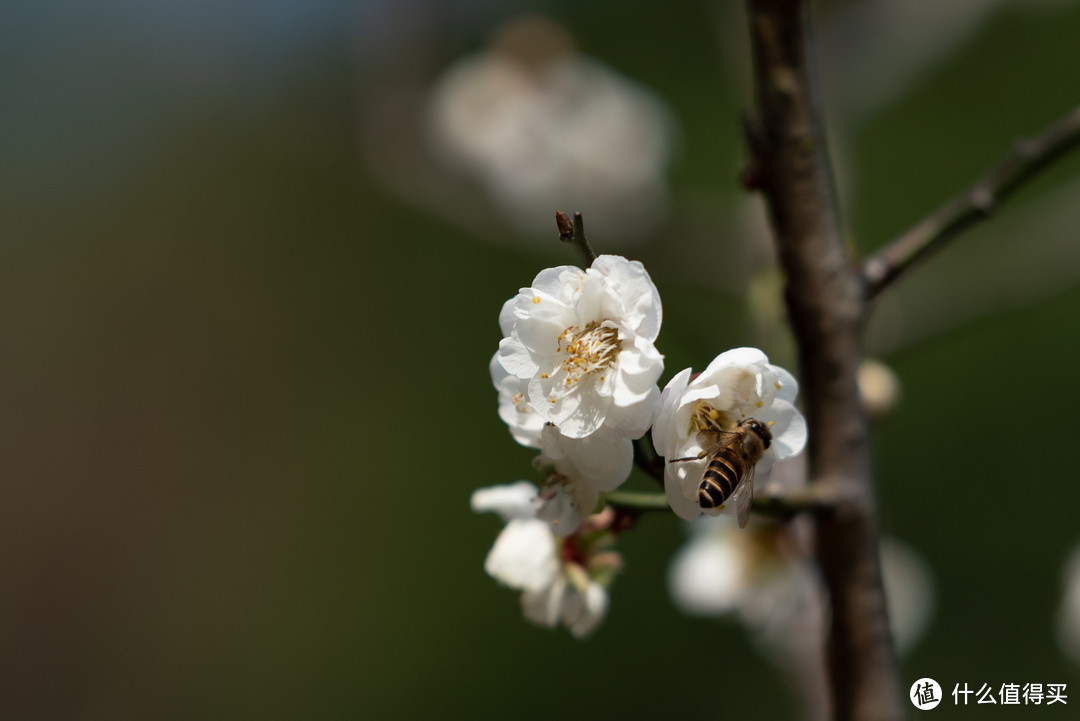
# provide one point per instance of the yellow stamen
(536, 299)
(589, 350)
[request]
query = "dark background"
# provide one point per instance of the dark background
(244, 394)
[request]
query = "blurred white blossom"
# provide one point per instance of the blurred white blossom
(764, 577)
(909, 592)
(759, 574)
(540, 127)
(516, 500)
(563, 580)
(738, 384)
(1068, 613)
(583, 342)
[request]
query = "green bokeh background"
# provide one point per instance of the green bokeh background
(245, 394)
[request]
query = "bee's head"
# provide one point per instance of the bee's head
(762, 429)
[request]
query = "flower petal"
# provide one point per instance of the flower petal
(735, 358)
(543, 606)
(578, 412)
(594, 608)
(662, 418)
(788, 429)
(632, 294)
(706, 576)
(565, 507)
(507, 317)
(685, 507)
(789, 387)
(515, 500)
(634, 420)
(562, 283)
(524, 555)
(516, 358)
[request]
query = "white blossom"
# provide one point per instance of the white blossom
(583, 341)
(737, 385)
(563, 580)
(708, 576)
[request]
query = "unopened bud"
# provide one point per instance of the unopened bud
(879, 388)
(565, 225)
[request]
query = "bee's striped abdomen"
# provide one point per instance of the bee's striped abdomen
(720, 478)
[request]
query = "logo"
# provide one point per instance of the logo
(925, 694)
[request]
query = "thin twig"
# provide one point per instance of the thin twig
(574, 234)
(975, 204)
(826, 306)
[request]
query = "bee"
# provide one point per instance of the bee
(732, 457)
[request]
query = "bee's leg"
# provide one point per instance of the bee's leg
(698, 457)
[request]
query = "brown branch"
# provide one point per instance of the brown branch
(825, 299)
(975, 204)
(646, 458)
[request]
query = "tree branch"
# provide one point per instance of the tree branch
(825, 302)
(975, 204)
(646, 458)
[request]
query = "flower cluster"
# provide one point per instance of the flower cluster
(765, 578)
(576, 374)
(563, 580)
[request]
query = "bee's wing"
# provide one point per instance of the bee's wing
(744, 496)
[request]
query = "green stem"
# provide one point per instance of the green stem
(778, 505)
(638, 500)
